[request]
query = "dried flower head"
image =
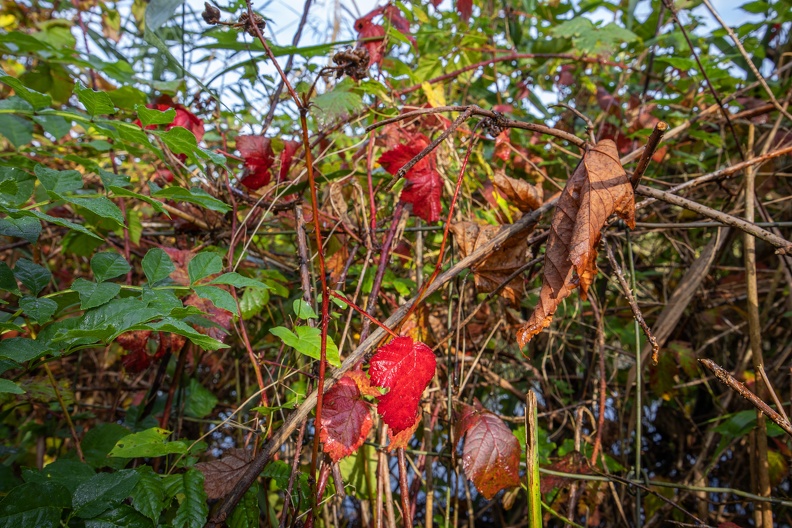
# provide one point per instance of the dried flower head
(211, 14)
(353, 62)
(245, 23)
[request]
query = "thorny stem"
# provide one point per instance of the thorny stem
(404, 489)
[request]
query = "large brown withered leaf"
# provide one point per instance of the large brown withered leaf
(493, 270)
(598, 188)
(519, 193)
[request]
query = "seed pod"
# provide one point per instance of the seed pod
(211, 14)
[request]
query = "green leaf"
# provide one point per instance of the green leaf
(199, 401)
(148, 495)
(24, 227)
(24, 186)
(280, 471)
(246, 513)
(240, 281)
(98, 442)
(95, 103)
(33, 276)
(204, 264)
(307, 340)
(109, 265)
(102, 492)
(218, 296)
(159, 12)
(94, 294)
(156, 204)
(42, 517)
(122, 516)
(180, 140)
(149, 443)
(30, 496)
(178, 327)
(7, 280)
(338, 102)
(17, 130)
(252, 302)
(303, 310)
(9, 386)
(68, 473)
(54, 125)
(100, 206)
(193, 510)
(40, 310)
(63, 223)
(152, 116)
(35, 99)
(22, 349)
(157, 265)
(194, 196)
(59, 182)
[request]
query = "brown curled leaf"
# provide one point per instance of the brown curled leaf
(519, 193)
(598, 188)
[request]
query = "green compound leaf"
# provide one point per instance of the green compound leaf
(149, 443)
(307, 340)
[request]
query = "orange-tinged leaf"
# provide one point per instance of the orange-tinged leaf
(493, 270)
(491, 456)
(346, 419)
(598, 188)
(402, 438)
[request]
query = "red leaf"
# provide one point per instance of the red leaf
(286, 156)
(465, 9)
(491, 456)
(346, 419)
(395, 17)
(258, 156)
(424, 185)
(405, 367)
(503, 145)
(376, 33)
(184, 118)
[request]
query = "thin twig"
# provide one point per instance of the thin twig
(730, 381)
(651, 146)
(637, 314)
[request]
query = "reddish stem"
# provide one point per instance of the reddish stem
(362, 312)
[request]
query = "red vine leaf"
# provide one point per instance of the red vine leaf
(519, 193)
(598, 188)
(424, 184)
(286, 158)
(371, 36)
(496, 268)
(405, 367)
(221, 475)
(258, 156)
(346, 419)
(491, 456)
(363, 383)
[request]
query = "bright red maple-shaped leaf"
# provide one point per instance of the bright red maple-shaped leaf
(346, 419)
(464, 8)
(491, 456)
(405, 367)
(371, 37)
(424, 185)
(258, 156)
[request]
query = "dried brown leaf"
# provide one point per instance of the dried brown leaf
(519, 193)
(598, 188)
(492, 271)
